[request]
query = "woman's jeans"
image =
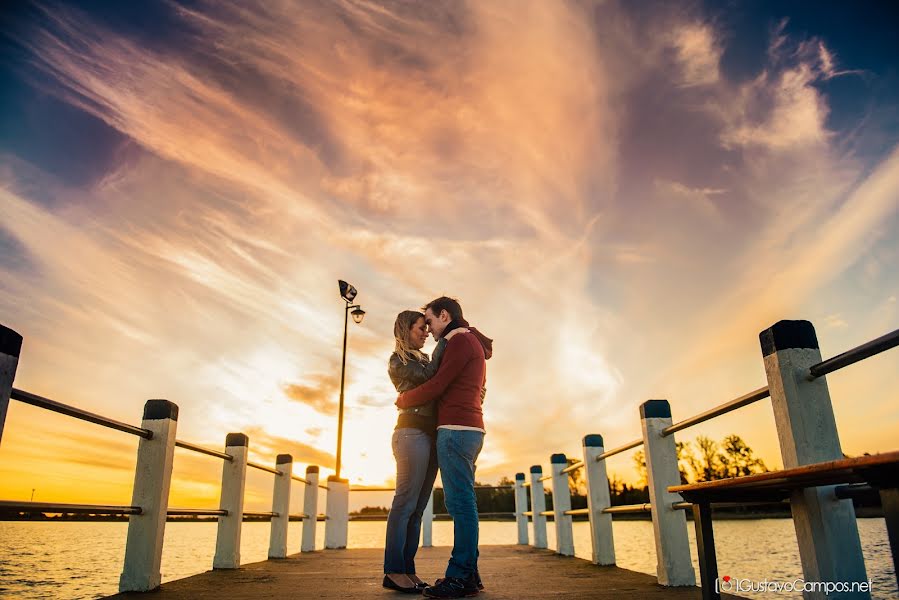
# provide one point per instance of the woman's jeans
(457, 452)
(416, 470)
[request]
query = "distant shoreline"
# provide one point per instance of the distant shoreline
(863, 512)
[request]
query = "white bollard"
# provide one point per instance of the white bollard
(521, 506)
(234, 479)
(598, 499)
(338, 512)
(277, 547)
(561, 503)
(673, 564)
(538, 505)
(829, 546)
(10, 348)
(310, 507)
(152, 480)
(427, 523)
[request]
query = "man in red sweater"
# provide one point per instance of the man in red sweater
(460, 435)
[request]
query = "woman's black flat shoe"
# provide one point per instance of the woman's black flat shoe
(392, 585)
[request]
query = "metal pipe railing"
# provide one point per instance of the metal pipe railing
(202, 450)
(71, 411)
(620, 449)
(885, 342)
(573, 467)
(264, 468)
(198, 512)
(54, 507)
(745, 400)
(628, 508)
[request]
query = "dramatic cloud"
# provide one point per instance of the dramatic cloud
(320, 395)
(616, 199)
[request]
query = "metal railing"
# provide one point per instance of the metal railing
(153, 474)
(658, 432)
(71, 411)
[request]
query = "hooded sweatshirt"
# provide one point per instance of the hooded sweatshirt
(458, 381)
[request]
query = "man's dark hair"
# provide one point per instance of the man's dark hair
(450, 305)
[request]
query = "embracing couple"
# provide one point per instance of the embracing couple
(441, 425)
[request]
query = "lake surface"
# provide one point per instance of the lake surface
(76, 560)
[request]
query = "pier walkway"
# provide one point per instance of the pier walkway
(509, 572)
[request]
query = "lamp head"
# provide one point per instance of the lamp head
(358, 314)
(347, 292)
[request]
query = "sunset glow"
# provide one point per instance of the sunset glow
(622, 195)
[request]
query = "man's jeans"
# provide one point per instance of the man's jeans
(457, 452)
(416, 470)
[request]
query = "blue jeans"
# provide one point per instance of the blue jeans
(416, 470)
(457, 452)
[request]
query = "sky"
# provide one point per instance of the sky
(621, 194)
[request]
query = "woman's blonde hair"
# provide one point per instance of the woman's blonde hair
(401, 330)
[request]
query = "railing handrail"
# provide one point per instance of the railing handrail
(202, 450)
(854, 355)
(744, 400)
(203, 512)
(264, 468)
(620, 449)
(56, 507)
(71, 411)
(844, 359)
(573, 467)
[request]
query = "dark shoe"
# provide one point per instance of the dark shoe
(477, 578)
(392, 585)
(452, 587)
(421, 584)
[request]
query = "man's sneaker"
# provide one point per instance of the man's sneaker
(452, 587)
(477, 576)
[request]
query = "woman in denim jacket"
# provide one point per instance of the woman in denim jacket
(413, 448)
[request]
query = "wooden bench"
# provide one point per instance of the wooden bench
(850, 477)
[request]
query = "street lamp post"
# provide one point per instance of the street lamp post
(347, 292)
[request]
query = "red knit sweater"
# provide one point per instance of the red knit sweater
(457, 383)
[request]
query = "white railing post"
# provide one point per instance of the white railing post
(521, 506)
(829, 546)
(598, 499)
(561, 503)
(310, 508)
(427, 523)
(277, 547)
(234, 479)
(337, 511)
(673, 564)
(538, 505)
(152, 480)
(10, 348)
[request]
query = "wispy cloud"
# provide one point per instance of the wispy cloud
(610, 204)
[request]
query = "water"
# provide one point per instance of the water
(77, 560)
